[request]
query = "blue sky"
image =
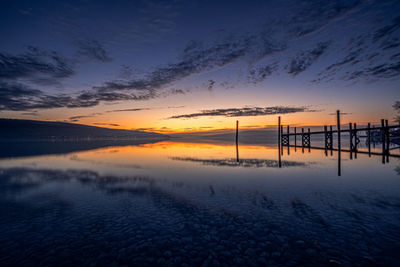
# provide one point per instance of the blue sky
(163, 61)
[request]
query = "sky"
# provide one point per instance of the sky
(184, 66)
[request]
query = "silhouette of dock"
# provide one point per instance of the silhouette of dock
(385, 134)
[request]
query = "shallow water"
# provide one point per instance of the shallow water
(171, 203)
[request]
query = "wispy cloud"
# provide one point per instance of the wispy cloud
(141, 109)
(106, 124)
(35, 64)
(246, 111)
(32, 113)
(18, 97)
(129, 110)
(41, 67)
(364, 57)
(260, 73)
(304, 60)
(93, 50)
(78, 117)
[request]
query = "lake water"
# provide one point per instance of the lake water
(187, 203)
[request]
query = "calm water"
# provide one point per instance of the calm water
(174, 203)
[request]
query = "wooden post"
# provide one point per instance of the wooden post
(339, 143)
(369, 139)
(237, 141)
(351, 140)
(383, 137)
(326, 139)
(331, 137)
(288, 141)
(309, 140)
(355, 136)
(279, 131)
(288, 138)
(351, 135)
(302, 140)
(387, 140)
(356, 140)
(279, 142)
(295, 139)
(237, 131)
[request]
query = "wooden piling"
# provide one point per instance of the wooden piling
(279, 131)
(387, 133)
(326, 139)
(369, 139)
(282, 139)
(339, 143)
(309, 140)
(237, 141)
(279, 142)
(237, 132)
(351, 135)
(295, 138)
(383, 139)
(351, 140)
(355, 140)
(331, 139)
(288, 141)
(288, 137)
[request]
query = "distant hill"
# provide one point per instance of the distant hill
(13, 129)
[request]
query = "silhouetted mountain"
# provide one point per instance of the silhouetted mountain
(12, 129)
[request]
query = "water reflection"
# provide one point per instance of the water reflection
(245, 163)
(170, 203)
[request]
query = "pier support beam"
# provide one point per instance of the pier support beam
(383, 139)
(369, 139)
(387, 133)
(339, 144)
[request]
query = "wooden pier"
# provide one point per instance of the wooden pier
(382, 134)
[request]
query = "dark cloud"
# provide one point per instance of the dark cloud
(259, 74)
(396, 107)
(210, 85)
(304, 60)
(128, 110)
(387, 70)
(19, 97)
(364, 57)
(380, 71)
(45, 68)
(351, 58)
(390, 43)
(106, 124)
(311, 15)
(247, 111)
(140, 109)
(194, 60)
(198, 57)
(35, 64)
(33, 113)
(77, 118)
(387, 30)
(94, 50)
